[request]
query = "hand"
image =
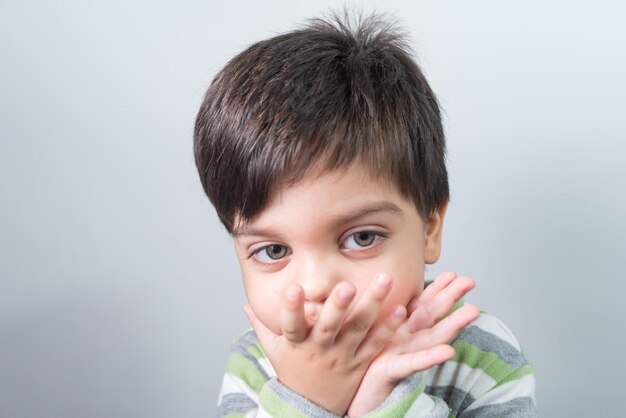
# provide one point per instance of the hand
(420, 343)
(326, 362)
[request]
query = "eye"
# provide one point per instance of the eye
(361, 239)
(270, 253)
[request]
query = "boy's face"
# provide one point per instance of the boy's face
(338, 226)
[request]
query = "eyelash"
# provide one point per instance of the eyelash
(378, 238)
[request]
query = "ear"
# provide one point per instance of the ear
(434, 229)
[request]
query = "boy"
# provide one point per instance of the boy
(323, 153)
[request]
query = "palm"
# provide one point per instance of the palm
(420, 343)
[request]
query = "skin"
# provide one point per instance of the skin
(332, 267)
(420, 343)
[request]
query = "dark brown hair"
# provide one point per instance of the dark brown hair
(323, 96)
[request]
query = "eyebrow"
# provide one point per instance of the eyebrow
(352, 216)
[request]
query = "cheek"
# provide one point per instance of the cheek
(267, 309)
(264, 300)
(268, 313)
(408, 281)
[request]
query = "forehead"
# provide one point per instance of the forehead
(328, 199)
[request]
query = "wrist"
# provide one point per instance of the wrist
(371, 394)
(334, 400)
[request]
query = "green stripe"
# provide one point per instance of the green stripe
(244, 369)
(517, 374)
(256, 351)
(235, 415)
(488, 362)
(456, 306)
(276, 407)
(400, 408)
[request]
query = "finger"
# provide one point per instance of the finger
(377, 340)
(292, 321)
(445, 331)
(402, 366)
(440, 306)
(441, 282)
(366, 310)
(333, 314)
(265, 336)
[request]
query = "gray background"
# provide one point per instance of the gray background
(119, 290)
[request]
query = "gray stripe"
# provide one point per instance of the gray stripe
(235, 402)
(515, 408)
(456, 399)
(486, 341)
(303, 405)
(241, 345)
(248, 339)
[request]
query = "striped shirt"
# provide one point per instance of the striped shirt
(488, 377)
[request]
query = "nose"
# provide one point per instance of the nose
(318, 276)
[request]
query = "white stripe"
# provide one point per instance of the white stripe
(493, 325)
(524, 387)
(461, 376)
(422, 406)
(262, 413)
(233, 384)
(267, 367)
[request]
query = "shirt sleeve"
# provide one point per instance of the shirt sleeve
(489, 375)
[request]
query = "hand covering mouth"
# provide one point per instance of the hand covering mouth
(312, 311)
